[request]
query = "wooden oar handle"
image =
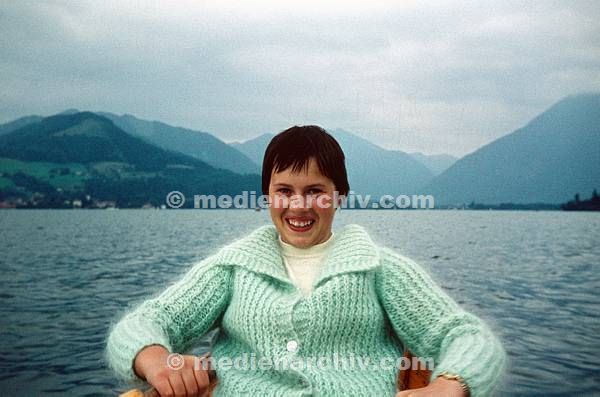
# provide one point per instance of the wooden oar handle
(139, 393)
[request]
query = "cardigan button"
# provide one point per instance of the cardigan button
(292, 346)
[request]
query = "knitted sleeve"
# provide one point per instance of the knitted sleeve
(177, 317)
(433, 325)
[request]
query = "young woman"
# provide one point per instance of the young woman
(297, 292)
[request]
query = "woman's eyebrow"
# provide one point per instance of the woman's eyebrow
(308, 186)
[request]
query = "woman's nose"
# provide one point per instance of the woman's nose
(297, 201)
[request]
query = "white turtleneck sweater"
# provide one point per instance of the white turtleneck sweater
(304, 264)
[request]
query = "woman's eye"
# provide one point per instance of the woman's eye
(310, 191)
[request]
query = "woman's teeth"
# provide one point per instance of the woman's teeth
(300, 224)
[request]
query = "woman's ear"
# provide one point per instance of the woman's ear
(339, 202)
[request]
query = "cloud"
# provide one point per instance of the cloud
(416, 76)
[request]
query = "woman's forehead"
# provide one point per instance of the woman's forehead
(302, 177)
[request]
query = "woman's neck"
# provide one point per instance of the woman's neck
(314, 250)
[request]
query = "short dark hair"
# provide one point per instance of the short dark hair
(295, 146)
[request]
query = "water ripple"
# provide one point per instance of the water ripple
(66, 276)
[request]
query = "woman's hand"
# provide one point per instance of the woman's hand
(171, 375)
(439, 387)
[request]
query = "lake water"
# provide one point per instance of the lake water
(65, 276)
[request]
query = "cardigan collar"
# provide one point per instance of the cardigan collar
(353, 250)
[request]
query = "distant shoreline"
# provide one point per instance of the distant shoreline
(558, 209)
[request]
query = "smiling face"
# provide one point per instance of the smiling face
(300, 221)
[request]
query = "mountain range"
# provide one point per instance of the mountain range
(549, 160)
(133, 161)
(198, 144)
(73, 155)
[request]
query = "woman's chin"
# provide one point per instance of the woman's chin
(300, 240)
(295, 239)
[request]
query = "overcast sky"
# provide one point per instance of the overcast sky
(435, 77)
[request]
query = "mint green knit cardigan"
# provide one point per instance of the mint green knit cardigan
(361, 290)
